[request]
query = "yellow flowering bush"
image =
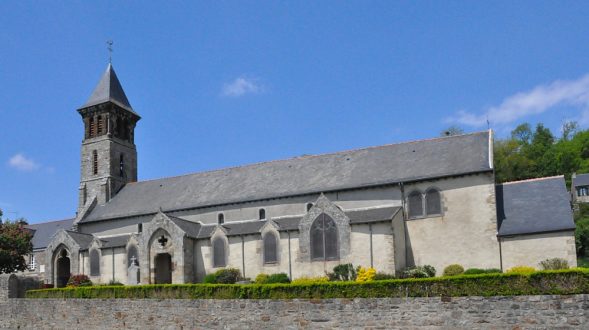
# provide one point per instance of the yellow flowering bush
(366, 274)
(521, 270)
(310, 280)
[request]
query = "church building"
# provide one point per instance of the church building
(428, 202)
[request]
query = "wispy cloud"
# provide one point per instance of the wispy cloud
(542, 98)
(242, 86)
(22, 163)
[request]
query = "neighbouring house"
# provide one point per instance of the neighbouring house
(423, 202)
(580, 188)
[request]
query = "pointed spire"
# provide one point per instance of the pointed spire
(109, 89)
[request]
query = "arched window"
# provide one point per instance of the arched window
(94, 263)
(220, 218)
(94, 162)
(132, 255)
(432, 202)
(324, 243)
(99, 125)
(262, 214)
(219, 252)
(270, 248)
(415, 205)
(309, 206)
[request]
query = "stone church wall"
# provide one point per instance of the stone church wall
(465, 234)
(529, 250)
(538, 312)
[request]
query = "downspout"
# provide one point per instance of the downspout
(242, 256)
(113, 264)
(289, 263)
(402, 186)
(500, 254)
(371, 253)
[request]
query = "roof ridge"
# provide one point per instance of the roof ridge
(533, 179)
(311, 156)
(50, 221)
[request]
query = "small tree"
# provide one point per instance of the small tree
(15, 243)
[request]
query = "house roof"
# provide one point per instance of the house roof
(83, 240)
(43, 232)
(580, 180)
(533, 206)
(388, 164)
(109, 89)
(115, 241)
(372, 214)
(288, 223)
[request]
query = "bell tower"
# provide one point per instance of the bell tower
(109, 156)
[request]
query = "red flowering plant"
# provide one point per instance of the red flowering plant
(79, 280)
(15, 243)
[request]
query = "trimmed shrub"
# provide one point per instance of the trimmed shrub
(210, 279)
(429, 270)
(227, 275)
(365, 274)
(493, 271)
(419, 272)
(553, 282)
(79, 280)
(383, 276)
(554, 264)
(305, 280)
(521, 270)
(453, 270)
(261, 278)
(345, 272)
(278, 278)
(473, 271)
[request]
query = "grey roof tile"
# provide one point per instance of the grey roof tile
(109, 89)
(190, 228)
(581, 180)
(288, 223)
(44, 231)
(533, 206)
(83, 240)
(243, 228)
(373, 166)
(115, 241)
(206, 231)
(372, 214)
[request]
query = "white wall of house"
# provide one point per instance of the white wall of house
(530, 250)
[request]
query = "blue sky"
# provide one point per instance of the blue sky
(225, 83)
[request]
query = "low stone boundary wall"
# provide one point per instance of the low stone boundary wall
(462, 312)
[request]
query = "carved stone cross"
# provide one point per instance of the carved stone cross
(162, 240)
(133, 260)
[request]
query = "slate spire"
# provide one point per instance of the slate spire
(109, 89)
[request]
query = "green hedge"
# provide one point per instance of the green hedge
(546, 282)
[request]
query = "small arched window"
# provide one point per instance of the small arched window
(415, 205)
(262, 214)
(132, 255)
(270, 248)
(324, 245)
(309, 206)
(94, 263)
(432, 202)
(219, 252)
(220, 218)
(94, 162)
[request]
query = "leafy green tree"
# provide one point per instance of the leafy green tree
(569, 129)
(15, 243)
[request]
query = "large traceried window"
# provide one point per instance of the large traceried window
(94, 263)
(433, 204)
(415, 205)
(270, 248)
(324, 242)
(219, 252)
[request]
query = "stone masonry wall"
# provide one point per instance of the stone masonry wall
(538, 312)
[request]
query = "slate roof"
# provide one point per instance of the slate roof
(190, 228)
(581, 180)
(115, 241)
(109, 89)
(83, 240)
(243, 228)
(372, 214)
(288, 223)
(402, 162)
(43, 232)
(533, 206)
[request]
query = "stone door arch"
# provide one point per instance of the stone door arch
(62, 269)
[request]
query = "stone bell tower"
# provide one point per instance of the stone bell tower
(109, 156)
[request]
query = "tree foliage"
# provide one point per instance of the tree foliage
(15, 243)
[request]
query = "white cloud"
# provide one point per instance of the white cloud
(22, 163)
(241, 86)
(542, 98)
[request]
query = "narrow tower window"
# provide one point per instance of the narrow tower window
(262, 214)
(122, 165)
(92, 128)
(94, 162)
(221, 218)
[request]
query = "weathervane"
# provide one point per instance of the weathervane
(109, 47)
